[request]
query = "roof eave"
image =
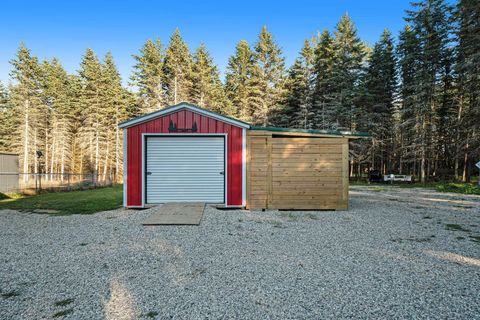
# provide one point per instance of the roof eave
(327, 133)
(180, 106)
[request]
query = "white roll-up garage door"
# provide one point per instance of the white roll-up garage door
(185, 169)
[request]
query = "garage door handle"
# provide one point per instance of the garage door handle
(148, 173)
(222, 173)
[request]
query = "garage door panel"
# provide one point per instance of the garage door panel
(186, 168)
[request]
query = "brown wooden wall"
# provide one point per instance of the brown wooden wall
(295, 172)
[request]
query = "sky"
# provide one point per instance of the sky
(64, 29)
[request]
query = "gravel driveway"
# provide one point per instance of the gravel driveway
(398, 253)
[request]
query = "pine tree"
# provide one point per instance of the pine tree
(349, 54)
(93, 113)
(238, 73)
(377, 106)
(74, 96)
(115, 112)
(468, 68)
(268, 78)
(322, 98)
(408, 51)
(207, 89)
(431, 24)
(148, 76)
(25, 95)
(7, 120)
(298, 107)
(177, 69)
(58, 117)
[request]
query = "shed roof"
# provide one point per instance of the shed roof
(178, 107)
(334, 133)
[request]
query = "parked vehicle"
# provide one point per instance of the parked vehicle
(376, 176)
(397, 178)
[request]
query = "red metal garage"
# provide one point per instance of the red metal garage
(184, 153)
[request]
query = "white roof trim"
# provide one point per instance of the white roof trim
(182, 105)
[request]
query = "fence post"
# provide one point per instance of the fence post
(68, 181)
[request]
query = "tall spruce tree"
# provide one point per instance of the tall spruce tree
(115, 108)
(25, 96)
(148, 76)
(93, 110)
(75, 94)
(58, 116)
(237, 84)
(377, 103)
(298, 112)
(408, 50)
(349, 54)
(431, 23)
(467, 128)
(7, 120)
(268, 77)
(207, 89)
(177, 69)
(323, 105)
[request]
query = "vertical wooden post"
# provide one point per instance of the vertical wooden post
(247, 175)
(345, 167)
(269, 171)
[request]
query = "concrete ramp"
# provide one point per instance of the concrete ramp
(185, 213)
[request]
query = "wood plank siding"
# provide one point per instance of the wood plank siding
(296, 171)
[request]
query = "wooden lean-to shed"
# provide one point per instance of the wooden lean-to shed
(297, 169)
(185, 153)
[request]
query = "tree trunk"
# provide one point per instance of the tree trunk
(465, 163)
(97, 149)
(105, 168)
(175, 90)
(52, 161)
(46, 151)
(35, 158)
(423, 154)
(26, 141)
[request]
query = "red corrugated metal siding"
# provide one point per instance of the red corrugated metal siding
(184, 119)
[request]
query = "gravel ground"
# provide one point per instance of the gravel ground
(397, 253)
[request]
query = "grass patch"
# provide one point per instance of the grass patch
(10, 294)
(400, 240)
(64, 302)
(62, 313)
(455, 227)
(151, 314)
(288, 215)
(277, 224)
(475, 239)
(455, 187)
(66, 203)
(463, 188)
(312, 216)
